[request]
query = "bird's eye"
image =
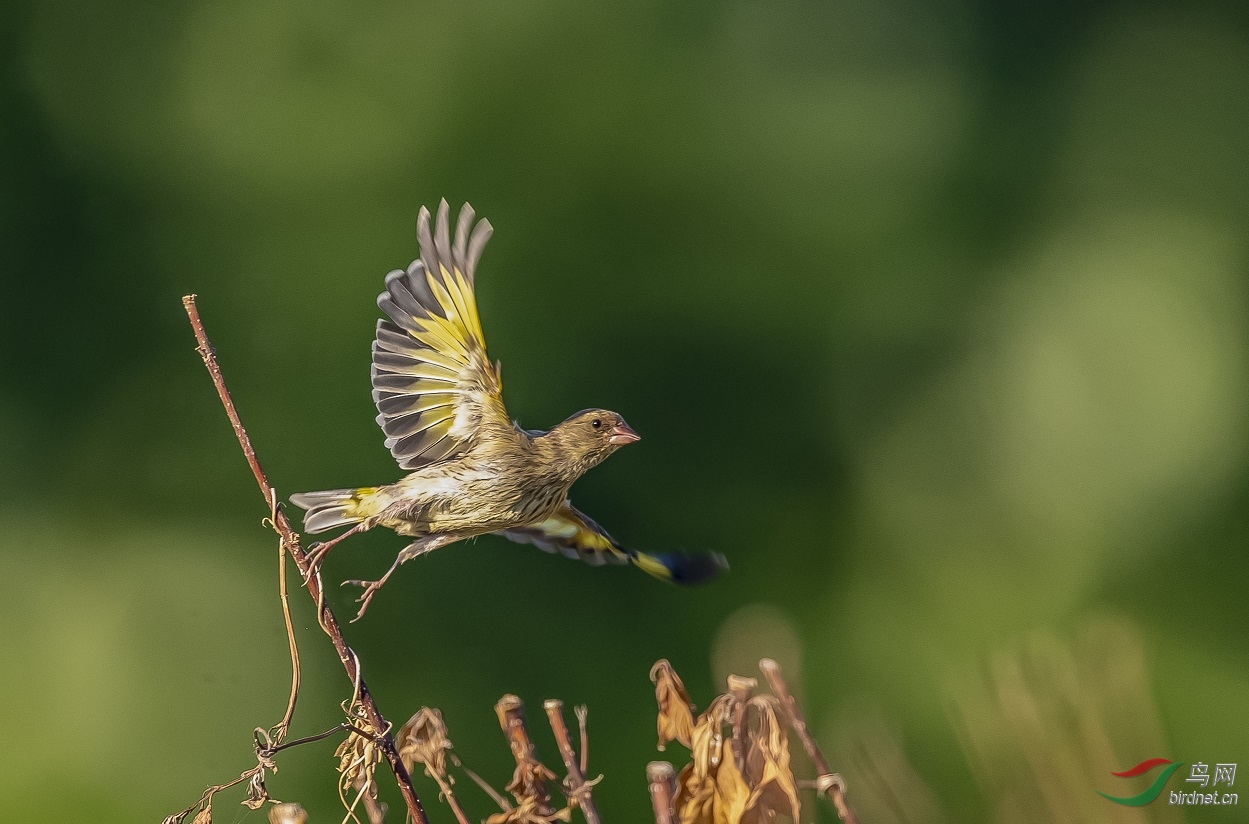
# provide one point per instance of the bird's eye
(596, 423)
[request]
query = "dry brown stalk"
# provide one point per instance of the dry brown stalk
(663, 786)
(279, 732)
(827, 781)
(291, 543)
(576, 784)
(742, 690)
(583, 712)
(528, 783)
(482, 784)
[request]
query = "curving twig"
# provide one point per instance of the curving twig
(279, 732)
(290, 541)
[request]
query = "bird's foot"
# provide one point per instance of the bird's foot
(318, 551)
(316, 556)
(370, 589)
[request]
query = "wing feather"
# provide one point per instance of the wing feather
(573, 535)
(461, 237)
(442, 236)
(401, 363)
(433, 384)
(476, 243)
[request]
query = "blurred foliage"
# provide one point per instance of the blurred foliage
(933, 316)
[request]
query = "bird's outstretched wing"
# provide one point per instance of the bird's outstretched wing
(574, 535)
(433, 384)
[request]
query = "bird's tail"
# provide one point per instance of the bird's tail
(334, 507)
(680, 568)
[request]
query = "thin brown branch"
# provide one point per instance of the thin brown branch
(827, 781)
(576, 783)
(583, 712)
(274, 749)
(444, 789)
(205, 800)
(529, 780)
(290, 540)
(663, 787)
(481, 784)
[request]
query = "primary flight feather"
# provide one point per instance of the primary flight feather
(474, 472)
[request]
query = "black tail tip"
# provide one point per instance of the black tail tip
(691, 570)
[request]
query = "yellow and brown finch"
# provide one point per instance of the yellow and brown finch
(474, 471)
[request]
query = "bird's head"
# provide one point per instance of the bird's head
(589, 436)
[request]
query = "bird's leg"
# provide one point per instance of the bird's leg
(318, 551)
(412, 550)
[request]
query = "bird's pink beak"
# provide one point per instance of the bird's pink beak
(622, 434)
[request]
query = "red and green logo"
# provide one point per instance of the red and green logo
(1154, 790)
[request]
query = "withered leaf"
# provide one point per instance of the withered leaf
(257, 793)
(695, 796)
(676, 711)
(528, 811)
(732, 793)
(358, 757)
(204, 816)
(714, 791)
(708, 788)
(706, 741)
(423, 740)
(768, 771)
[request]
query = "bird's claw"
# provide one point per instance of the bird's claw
(316, 556)
(370, 589)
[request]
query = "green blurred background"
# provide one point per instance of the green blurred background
(933, 316)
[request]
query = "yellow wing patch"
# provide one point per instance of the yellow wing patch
(433, 384)
(572, 534)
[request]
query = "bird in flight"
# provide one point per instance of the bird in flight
(473, 470)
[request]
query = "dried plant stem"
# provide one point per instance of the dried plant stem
(269, 752)
(445, 790)
(528, 781)
(576, 783)
(742, 689)
(374, 810)
(290, 541)
(583, 712)
(663, 787)
(828, 781)
(206, 798)
(481, 783)
(279, 732)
